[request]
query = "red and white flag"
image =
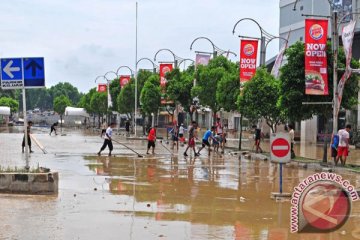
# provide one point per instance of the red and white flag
(248, 56)
(124, 79)
(279, 59)
(102, 87)
(316, 75)
(164, 68)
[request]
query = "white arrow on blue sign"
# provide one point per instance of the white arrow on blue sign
(22, 72)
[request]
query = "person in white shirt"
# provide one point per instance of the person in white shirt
(343, 148)
(292, 140)
(107, 140)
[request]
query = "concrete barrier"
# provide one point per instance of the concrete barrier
(29, 183)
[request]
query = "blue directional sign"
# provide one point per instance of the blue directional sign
(22, 72)
(34, 72)
(11, 73)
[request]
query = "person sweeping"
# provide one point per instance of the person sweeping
(107, 139)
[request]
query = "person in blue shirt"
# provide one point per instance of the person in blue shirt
(334, 146)
(205, 140)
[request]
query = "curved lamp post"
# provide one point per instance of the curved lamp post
(148, 59)
(265, 38)
(335, 42)
(176, 58)
(186, 59)
(216, 49)
(119, 68)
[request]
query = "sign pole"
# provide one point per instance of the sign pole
(26, 130)
(280, 178)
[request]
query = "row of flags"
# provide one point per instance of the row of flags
(316, 75)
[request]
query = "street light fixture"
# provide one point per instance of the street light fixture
(176, 58)
(264, 39)
(119, 68)
(148, 59)
(216, 49)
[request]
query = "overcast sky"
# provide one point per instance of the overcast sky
(81, 39)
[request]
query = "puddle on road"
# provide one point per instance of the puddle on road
(220, 198)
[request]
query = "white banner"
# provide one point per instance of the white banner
(279, 58)
(347, 37)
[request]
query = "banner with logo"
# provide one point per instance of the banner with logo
(164, 68)
(202, 59)
(248, 55)
(347, 37)
(102, 87)
(124, 79)
(316, 76)
(279, 58)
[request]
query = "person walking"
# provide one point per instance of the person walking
(292, 139)
(28, 138)
(103, 128)
(257, 137)
(205, 140)
(220, 133)
(343, 148)
(127, 128)
(192, 137)
(334, 144)
(107, 139)
(175, 135)
(151, 140)
(53, 128)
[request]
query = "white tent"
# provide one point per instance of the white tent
(71, 111)
(5, 111)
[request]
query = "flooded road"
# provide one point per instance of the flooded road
(162, 196)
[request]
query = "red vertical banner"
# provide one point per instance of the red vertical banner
(248, 55)
(102, 87)
(124, 79)
(164, 68)
(316, 76)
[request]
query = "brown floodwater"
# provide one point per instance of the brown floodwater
(161, 196)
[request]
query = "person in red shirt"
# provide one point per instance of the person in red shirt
(151, 140)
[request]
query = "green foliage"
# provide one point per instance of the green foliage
(85, 101)
(293, 86)
(207, 79)
(259, 99)
(9, 102)
(65, 89)
(115, 91)
(98, 103)
(228, 89)
(126, 99)
(179, 86)
(150, 95)
(60, 103)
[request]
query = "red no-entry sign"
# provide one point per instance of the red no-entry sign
(280, 147)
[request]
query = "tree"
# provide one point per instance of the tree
(260, 99)
(228, 89)
(9, 102)
(98, 103)
(150, 95)
(65, 89)
(60, 103)
(126, 100)
(114, 92)
(293, 86)
(207, 78)
(179, 85)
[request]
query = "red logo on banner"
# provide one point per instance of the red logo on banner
(316, 78)
(124, 79)
(164, 68)
(102, 87)
(248, 55)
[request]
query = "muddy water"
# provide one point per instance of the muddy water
(156, 197)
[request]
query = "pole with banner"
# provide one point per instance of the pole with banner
(280, 152)
(164, 68)
(316, 76)
(248, 56)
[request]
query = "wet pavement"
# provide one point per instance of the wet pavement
(162, 196)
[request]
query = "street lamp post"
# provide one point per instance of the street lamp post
(148, 59)
(176, 58)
